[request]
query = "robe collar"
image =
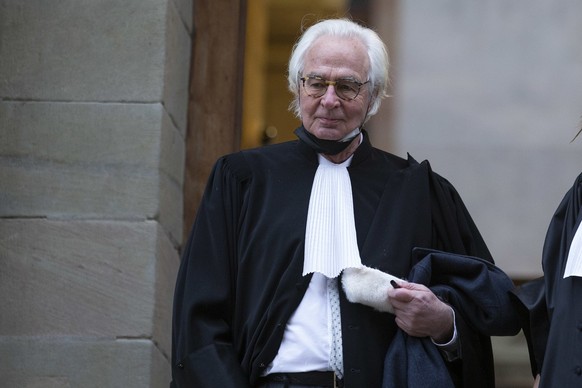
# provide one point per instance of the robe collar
(363, 151)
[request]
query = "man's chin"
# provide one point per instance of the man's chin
(328, 133)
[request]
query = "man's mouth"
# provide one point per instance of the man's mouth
(326, 120)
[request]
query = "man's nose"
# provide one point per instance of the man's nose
(330, 98)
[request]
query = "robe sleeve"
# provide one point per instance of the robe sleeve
(203, 352)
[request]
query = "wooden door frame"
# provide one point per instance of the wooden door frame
(215, 93)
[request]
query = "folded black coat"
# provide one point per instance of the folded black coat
(479, 293)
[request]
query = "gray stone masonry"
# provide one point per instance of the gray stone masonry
(93, 109)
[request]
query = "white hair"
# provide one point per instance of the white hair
(342, 28)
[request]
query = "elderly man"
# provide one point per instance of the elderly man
(285, 280)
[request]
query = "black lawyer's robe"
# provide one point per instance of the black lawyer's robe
(552, 306)
(240, 277)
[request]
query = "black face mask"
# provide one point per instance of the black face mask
(322, 146)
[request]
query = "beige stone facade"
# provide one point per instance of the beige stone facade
(93, 109)
(113, 112)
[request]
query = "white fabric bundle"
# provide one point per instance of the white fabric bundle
(368, 286)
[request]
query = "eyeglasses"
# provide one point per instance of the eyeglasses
(345, 89)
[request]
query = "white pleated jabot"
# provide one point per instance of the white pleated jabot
(330, 237)
(574, 261)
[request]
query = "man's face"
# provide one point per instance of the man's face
(331, 58)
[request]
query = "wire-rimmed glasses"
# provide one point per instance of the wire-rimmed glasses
(346, 89)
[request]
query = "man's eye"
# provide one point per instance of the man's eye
(346, 86)
(316, 84)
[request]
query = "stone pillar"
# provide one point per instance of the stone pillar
(93, 100)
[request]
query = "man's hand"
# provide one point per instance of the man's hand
(420, 313)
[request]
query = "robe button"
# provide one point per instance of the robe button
(181, 366)
(262, 365)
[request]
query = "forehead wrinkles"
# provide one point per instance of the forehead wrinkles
(336, 57)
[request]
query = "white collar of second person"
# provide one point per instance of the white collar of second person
(574, 261)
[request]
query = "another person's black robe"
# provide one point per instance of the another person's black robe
(552, 306)
(240, 278)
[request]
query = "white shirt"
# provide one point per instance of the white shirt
(307, 340)
(330, 246)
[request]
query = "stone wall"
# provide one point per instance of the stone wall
(93, 100)
(491, 93)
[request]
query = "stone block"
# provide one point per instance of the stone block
(172, 156)
(185, 9)
(178, 48)
(63, 362)
(32, 188)
(170, 195)
(86, 278)
(99, 134)
(82, 50)
(167, 264)
(91, 160)
(171, 205)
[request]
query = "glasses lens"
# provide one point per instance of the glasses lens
(347, 89)
(316, 87)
